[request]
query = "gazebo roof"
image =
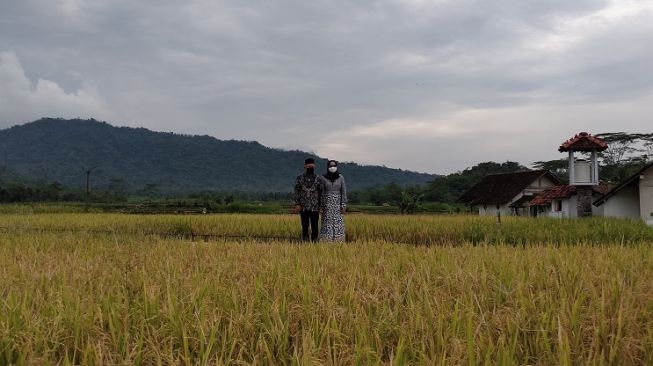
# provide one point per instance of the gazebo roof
(583, 142)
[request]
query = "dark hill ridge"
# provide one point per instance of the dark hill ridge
(61, 150)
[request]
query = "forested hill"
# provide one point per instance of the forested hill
(8, 176)
(134, 159)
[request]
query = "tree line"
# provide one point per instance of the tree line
(626, 154)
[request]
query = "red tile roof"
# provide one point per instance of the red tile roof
(583, 142)
(555, 193)
(562, 192)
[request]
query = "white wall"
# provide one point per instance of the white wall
(624, 204)
(480, 210)
(492, 210)
(646, 196)
(551, 209)
(537, 186)
(598, 211)
(551, 212)
(570, 208)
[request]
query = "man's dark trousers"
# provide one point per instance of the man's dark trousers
(310, 217)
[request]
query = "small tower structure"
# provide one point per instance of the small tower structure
(584, 173)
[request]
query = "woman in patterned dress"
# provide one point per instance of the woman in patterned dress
(334, 204)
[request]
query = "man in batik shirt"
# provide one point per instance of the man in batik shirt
(308, 192)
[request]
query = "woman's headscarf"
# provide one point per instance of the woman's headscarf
(332, 176)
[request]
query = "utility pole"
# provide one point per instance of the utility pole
(88, 187)
(499, 215)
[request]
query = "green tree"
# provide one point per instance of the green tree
(410, 202)
(626, 153)
(559, 167)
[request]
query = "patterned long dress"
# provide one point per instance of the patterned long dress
(334, 198)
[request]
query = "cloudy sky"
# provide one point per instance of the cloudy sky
(427, 85)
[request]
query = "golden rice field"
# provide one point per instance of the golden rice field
(109, 289)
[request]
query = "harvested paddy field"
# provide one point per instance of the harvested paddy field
(236, 289)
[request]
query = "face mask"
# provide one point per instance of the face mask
(310, 170)
(333, 169)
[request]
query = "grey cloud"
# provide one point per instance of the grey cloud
(21, 99)
(295, 73)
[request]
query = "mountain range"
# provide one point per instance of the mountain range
(133, 159)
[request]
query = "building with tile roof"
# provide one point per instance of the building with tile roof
(508, 193)
(632, 198)
(561, 201)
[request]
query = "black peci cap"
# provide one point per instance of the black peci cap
(309, 161)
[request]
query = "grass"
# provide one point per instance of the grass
(122, 295)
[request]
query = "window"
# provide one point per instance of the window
(558, 206)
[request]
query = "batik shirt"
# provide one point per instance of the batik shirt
(308, 190)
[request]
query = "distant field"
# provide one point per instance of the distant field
(414, 229)
(126, 289)
(196, 206)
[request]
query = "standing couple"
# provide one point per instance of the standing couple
(321, 194)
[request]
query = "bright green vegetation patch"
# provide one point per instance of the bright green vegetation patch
(123, 296)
